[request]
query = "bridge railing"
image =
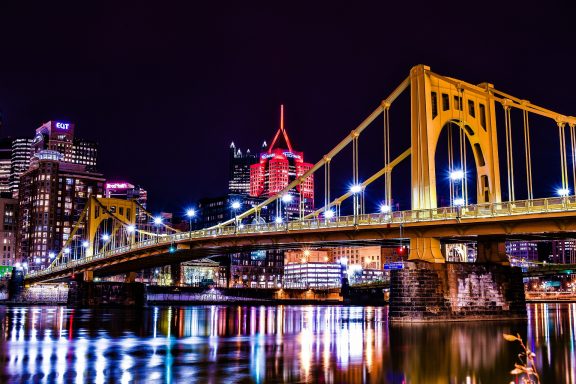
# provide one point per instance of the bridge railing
(473, 211)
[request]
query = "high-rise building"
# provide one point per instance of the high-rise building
(84, 152)
(59, 136)
(53, 192)
(277, 168)
(239, 179)
(8, 215)
(19, 162)
(127, 191)
(5, 164)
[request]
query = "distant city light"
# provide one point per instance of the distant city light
(459, 202)
(356, 188)
(235, 205)
(190, 213)
(278, 220)
(384, 208)
(563, 192)
(457, 175)
(329, 214)
(287, 198)
(157, 220)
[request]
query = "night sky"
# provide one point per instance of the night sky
(165, 88)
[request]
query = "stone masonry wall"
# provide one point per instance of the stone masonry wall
(456, 291)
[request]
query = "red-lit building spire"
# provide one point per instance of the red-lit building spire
(281, 130)
(280, 166)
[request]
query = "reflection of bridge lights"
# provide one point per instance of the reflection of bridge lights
(329, 214)
(457, 175)
(105, 237)
(85, 244)
(563, 192)
(459, 202)
(384, 208)
(356, 188)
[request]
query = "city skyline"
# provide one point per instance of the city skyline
(156, 96)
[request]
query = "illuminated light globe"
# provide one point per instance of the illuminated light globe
(384, 208)
(105, 237)
(458, 202)
(457, 175)
(66, 250)
(287, 198)
(157, 220)
(356, 188)
(85, 244)
(240, 226)
(236, 205)
(278, 220)
(130, 228)
(51, 255)
(190, 213)
(563, 192)
(329, 214)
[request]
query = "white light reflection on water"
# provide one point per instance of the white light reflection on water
(211, 344)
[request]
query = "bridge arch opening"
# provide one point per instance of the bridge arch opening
(448, 187)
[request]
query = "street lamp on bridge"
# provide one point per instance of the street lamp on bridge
(157, 223)
(190, 213)
(235, 207)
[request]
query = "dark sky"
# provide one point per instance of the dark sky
(165, 88)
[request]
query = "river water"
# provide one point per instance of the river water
(274, 344)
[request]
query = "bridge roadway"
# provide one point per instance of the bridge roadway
(526, 219)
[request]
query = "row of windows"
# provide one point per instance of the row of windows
(458, 105)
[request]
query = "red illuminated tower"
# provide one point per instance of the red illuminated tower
(280, 166)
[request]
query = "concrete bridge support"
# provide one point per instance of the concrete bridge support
(423, 292)
(92, 294)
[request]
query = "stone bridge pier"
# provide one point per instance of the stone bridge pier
(488, 289)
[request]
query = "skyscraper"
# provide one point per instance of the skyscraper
(5, 164)
(53, 192)
(277, 168)
(239, 180)
(19, 162)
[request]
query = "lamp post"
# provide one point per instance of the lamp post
(157, 222)
(130, 229)
(355, 190)
(286, 199)
(235, 207)
(190, 213)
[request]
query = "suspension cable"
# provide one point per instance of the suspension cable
(573, 154)
(509, 156)
(387, 176)
(563, 165)
(450, 163)
(463, 166)
(528, 156)
(326, 181)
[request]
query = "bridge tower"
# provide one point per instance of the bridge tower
(102, 209)
(437, 101)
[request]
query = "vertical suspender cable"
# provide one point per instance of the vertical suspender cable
(463, 147)
(573, 155)
(450, 162)
(387, 175)
(509, 157)
(563, 164)
(528, 155)
(355, 170)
